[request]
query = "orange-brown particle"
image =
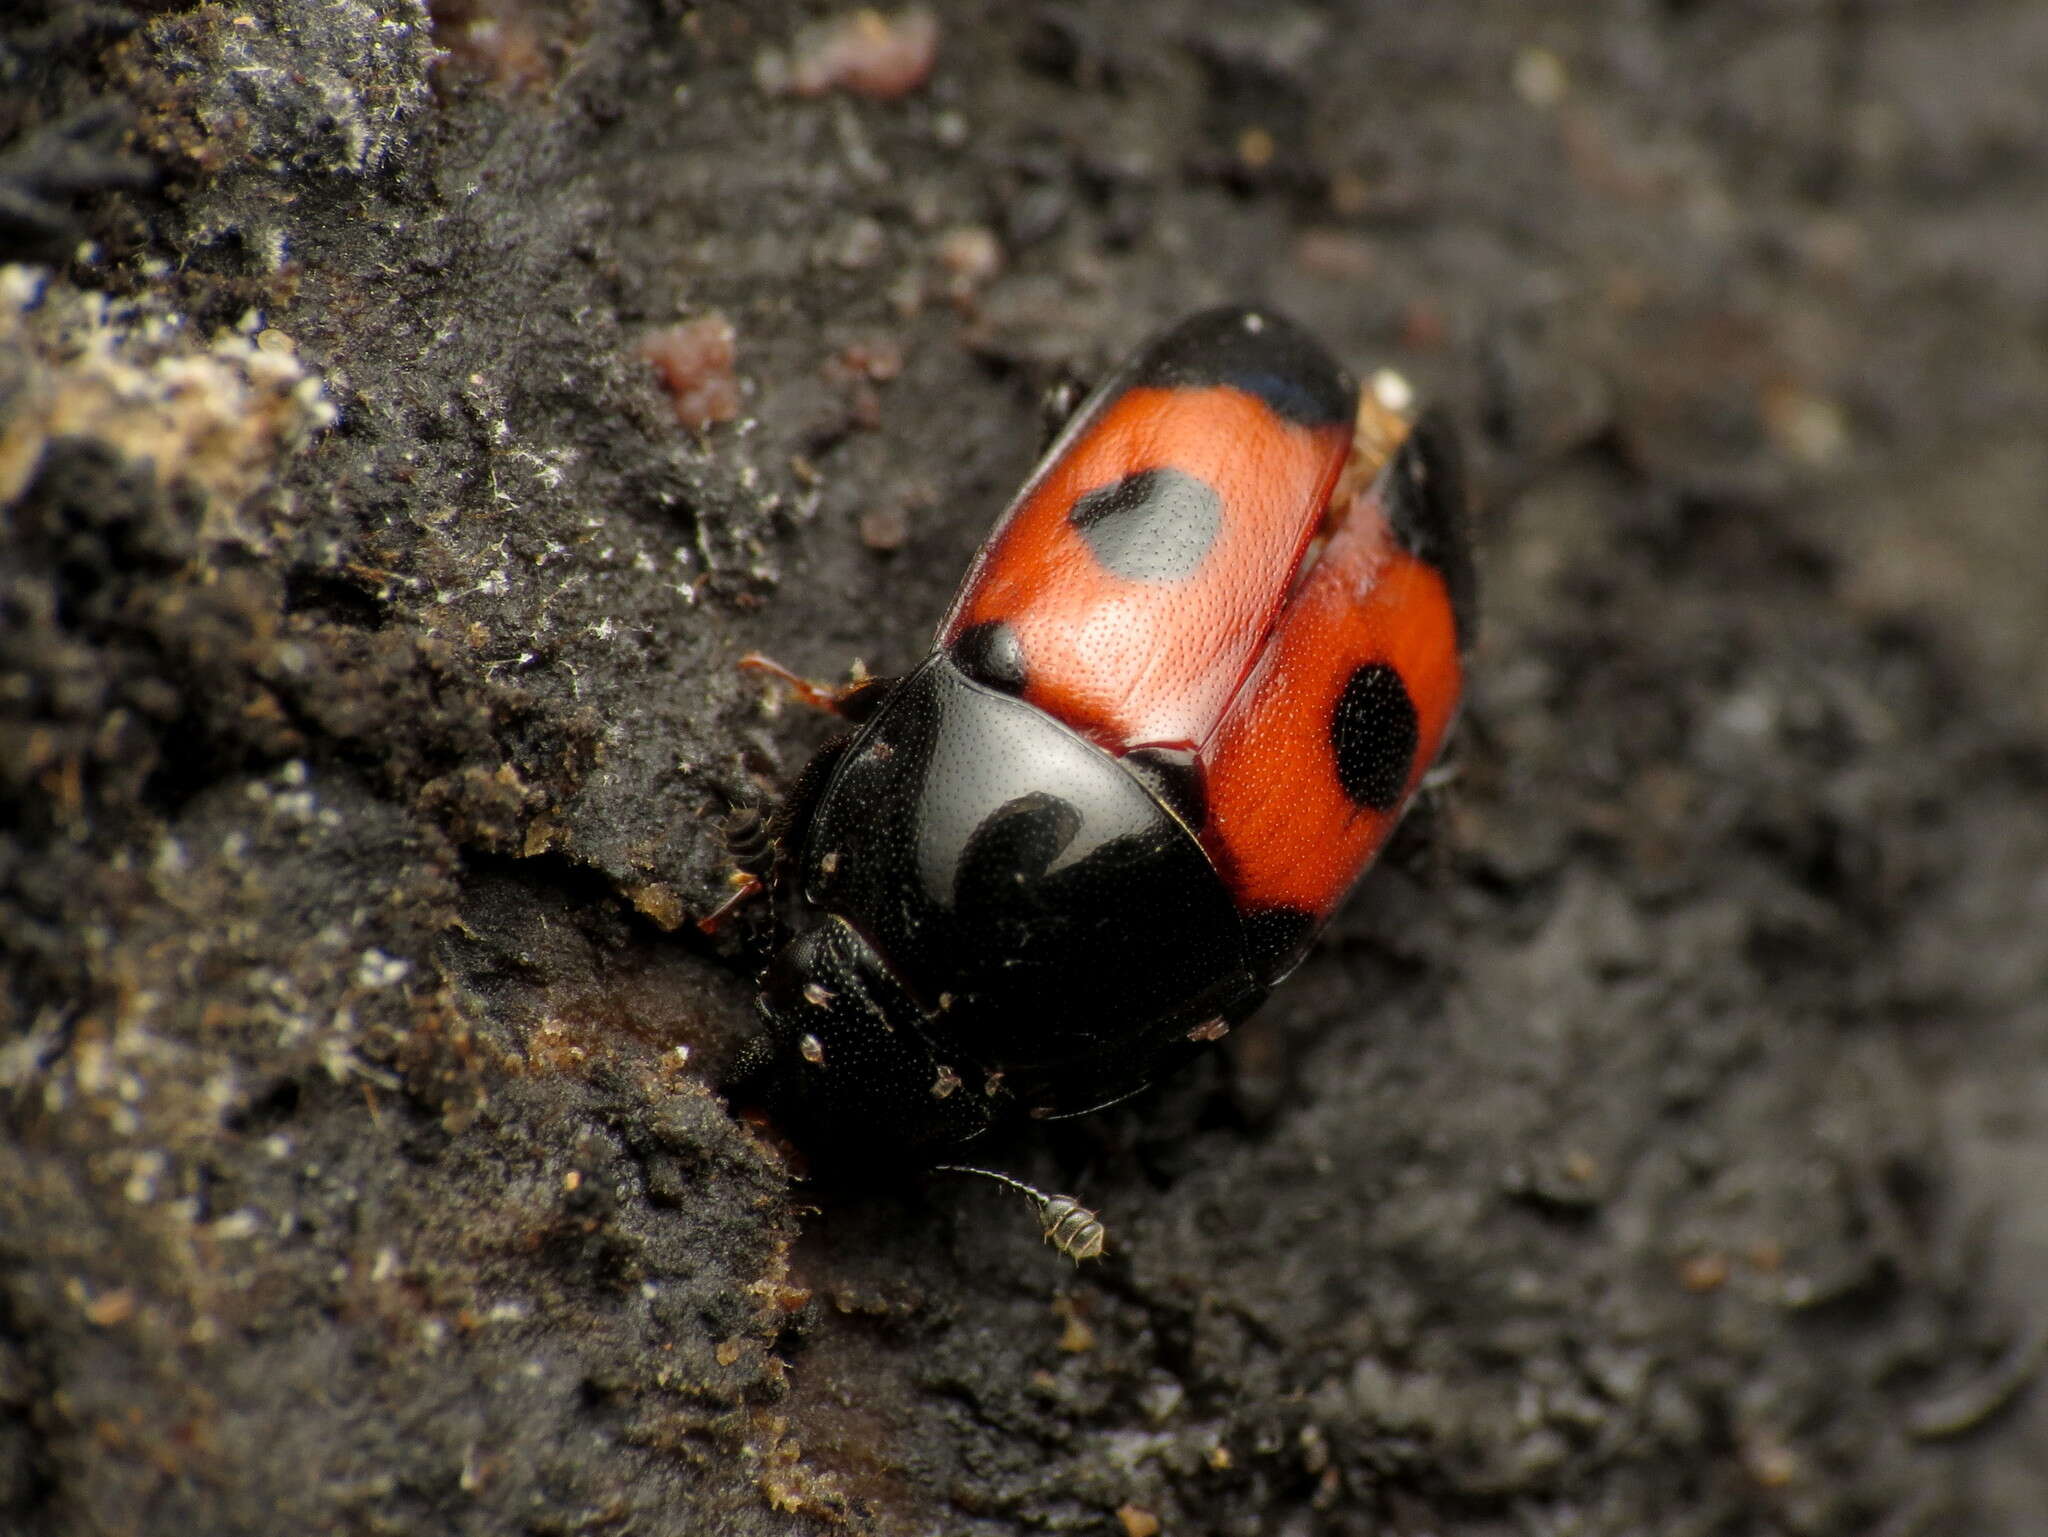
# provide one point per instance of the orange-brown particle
(695, 361)
(865, 53)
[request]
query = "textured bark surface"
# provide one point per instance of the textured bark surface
(1654, 1144)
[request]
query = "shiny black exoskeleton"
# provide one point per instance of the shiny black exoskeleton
(1006, 920)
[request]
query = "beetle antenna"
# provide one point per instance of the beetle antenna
(1066, 1224)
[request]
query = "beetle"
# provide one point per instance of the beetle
(1188, 686)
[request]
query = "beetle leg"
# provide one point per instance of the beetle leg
(854, 700)
(745, 887)
(764, 848)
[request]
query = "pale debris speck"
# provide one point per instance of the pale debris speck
(1392, 390)
(1540, 78)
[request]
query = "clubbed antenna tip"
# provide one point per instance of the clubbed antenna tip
(1065, 1223)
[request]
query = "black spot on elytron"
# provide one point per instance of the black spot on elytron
(1275, 940)
(989, 653)
(1255, 350)
(1374, 733)
(1176, 779)
(1155, 526)
(1423, 493)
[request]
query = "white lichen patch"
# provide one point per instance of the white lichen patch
(326, 89)
(211, 417)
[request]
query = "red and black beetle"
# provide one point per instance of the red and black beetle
(1184, 694)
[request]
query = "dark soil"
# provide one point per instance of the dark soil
(1655, 1144)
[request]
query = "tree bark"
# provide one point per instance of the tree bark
(1648, 1145)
